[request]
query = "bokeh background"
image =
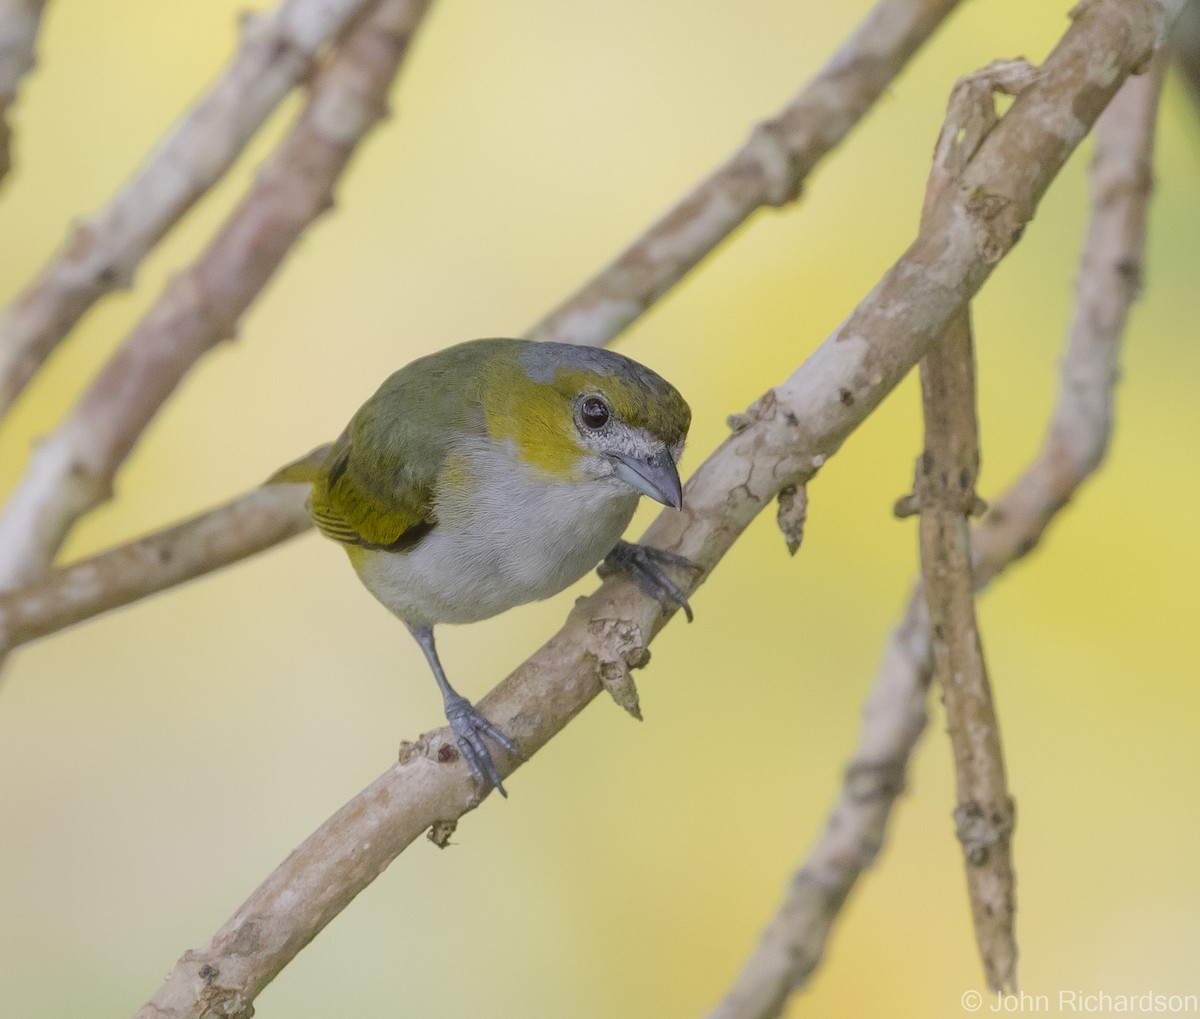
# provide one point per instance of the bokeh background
(155, 764)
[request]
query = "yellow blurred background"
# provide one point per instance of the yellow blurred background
(155, 764)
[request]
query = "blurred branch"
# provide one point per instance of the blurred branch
(227, 534)
(769, 170)
(781, 441)
(1110, 280)
(72, 471)
(19, 22)
(793, 943)
(278, 51)
(1185, 45)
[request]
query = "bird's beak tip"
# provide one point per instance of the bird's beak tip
(656, 477)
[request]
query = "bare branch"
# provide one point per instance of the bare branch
(944, 494)
(793, 943)
(782, 441)
(769, 170)
(72, 471)
(227, 534)
(984, 817)
(278, 51)
(19, 22)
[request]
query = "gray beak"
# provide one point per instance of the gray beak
(655, 476)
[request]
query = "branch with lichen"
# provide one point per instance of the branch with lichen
(278, 51)
(781, 442)
(894, 717)
(72, 471)
(810, 127)
(19, 23)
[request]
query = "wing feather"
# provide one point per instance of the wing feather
(376, 487)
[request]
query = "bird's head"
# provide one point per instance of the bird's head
(583, 414)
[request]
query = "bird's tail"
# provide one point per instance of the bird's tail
(310, 468)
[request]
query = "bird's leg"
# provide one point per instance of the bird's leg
(647, 566)
(467, 724)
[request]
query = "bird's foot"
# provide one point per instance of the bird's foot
(469, 728)
(647, 566)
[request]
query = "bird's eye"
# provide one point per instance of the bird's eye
(594, 412)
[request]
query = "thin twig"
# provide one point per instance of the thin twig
(19, 22)
(278, 51)
(72, 471)
(769, 170)
(782, 441)
(863, 67)
(945, 490)
(227, 534)
(944, 494)
(894, 717)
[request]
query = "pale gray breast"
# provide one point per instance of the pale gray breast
(514, 538)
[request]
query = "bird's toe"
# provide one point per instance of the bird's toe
(647, 566)
(470, 728)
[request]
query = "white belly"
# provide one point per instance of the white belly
(514, 539)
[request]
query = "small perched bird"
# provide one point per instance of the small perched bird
(494, 473)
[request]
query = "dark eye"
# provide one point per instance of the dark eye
(594, 412)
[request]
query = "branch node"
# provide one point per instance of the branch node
(440, 831)
(792, 514)
(739, 422)
(618, 648)
(762, 409)
(869, 781)
(980, 832)
(782, 172)
(937, 488)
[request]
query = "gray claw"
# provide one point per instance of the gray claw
(469, 728)
(645, 565)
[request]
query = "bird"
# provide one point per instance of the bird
(493, 473)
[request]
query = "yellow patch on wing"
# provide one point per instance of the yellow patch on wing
(350, 509)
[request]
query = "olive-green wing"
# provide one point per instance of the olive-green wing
(375, 486)
(376, 501)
